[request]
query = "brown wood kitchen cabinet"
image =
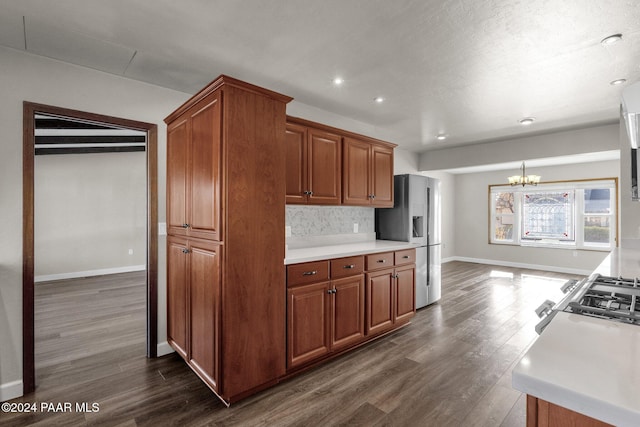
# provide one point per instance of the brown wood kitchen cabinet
(368, 173)
(193, 303)
(324, 315)
(314, 164)
(226, 183)
(390, 290)
(193, 172)
(541, 413)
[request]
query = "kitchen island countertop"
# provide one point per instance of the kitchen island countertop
(317, 253)
(586, 364)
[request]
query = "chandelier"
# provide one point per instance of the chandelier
(524, 179)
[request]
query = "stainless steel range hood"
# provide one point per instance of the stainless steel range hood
(631, 112)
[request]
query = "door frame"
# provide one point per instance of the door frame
(28, 159)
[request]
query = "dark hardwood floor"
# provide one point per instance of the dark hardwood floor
(450, 367)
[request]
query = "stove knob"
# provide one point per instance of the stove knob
(545, 308)
(569, 284)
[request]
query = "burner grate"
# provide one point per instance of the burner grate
(612, 298)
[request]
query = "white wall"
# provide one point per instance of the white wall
(472, 220)
(579, 141)
(36, 79)
(90, 209)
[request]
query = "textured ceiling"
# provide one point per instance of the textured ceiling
(467, 68)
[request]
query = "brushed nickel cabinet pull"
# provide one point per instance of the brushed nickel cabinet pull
(310, 273)
(406, 257)
(349, 266)
(382, 261)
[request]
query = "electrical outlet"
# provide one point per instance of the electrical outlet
(162, 229)
(355, 227)
(130, 251)
(287, 231)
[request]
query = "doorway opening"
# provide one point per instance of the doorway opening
(31, 114)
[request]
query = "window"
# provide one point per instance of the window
(573, 214)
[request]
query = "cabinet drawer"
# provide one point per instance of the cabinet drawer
(377, 261)
(350, 266)
(406, 256)
(308, 272)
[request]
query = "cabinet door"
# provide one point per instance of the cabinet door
(380, 301)
(308, 322)
(177, 177)
(405, 306)
(324, 168)
(204, 266)
(382, 176)
(348, 311)
(296, 146)
(177, 295)
(357, 165)
(204, 200)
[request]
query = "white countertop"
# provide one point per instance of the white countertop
(585, 364)
(621, 262)
(317, 253)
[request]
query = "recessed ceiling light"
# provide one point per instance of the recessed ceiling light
(617, 82)
(615, 38)
(338, 81)
(441, 137)
(378, 99)
(527, 121)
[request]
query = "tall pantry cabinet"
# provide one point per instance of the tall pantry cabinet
(225, 247)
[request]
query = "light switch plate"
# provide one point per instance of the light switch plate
(355, 227)
(287, 231)
(162, 229)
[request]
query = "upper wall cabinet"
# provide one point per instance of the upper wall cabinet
(368, 173)
(193, 172)
(313, 165)
(329, 166)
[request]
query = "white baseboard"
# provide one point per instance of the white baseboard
(11, 390)
(89, 273)
(163, 348)
(522, 265)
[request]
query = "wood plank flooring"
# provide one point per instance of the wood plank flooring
(450, 367)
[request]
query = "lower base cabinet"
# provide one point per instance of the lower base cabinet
(324, 317)
(193, 304)
(541, 413)
(347, 312)
(334, 305)
(391, 290)
(308, 314)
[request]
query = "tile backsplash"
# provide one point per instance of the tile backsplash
(309, 221)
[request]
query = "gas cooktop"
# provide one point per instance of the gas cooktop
(611, 298)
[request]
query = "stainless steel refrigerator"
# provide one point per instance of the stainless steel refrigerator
(415, 217)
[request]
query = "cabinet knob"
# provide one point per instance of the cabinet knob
(185, 251)
(372, 196)
(310, 273)
(350, 266)
(406, 257)
(185, 226)
(382, 261)
(332, 291)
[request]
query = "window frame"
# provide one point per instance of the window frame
(579, 215)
